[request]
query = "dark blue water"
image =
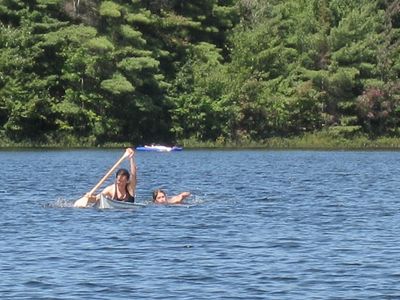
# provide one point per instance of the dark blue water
(260, 225)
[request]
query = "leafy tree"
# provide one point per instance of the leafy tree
(200, 109)
(144, 71)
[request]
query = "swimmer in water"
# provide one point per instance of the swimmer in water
(160, 197)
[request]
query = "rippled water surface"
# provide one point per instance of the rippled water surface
(260, 225)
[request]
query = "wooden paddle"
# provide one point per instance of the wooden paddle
(82, 202)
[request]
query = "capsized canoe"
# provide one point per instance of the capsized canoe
(109, 203)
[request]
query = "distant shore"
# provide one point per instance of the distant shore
(308, 141)
(317, 140)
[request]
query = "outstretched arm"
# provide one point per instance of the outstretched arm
(178, 198)
(107, 191)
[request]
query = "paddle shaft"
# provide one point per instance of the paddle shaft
(108, 173)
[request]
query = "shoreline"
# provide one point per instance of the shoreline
(309, 141)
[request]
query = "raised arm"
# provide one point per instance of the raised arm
(133, 178)
(178, 198)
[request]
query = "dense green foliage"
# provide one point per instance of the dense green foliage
(98, 72)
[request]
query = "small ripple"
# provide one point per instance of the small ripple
(352, 264)
(284, 278)
(286, 245)
(39, 282)
(266, 199)
(89, 284)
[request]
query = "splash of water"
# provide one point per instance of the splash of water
(60, 203)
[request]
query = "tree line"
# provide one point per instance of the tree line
(144, 71)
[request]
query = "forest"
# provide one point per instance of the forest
(95, 72)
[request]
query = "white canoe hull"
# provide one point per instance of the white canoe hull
(105, 203)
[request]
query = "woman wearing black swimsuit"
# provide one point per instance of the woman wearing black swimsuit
(124, 187)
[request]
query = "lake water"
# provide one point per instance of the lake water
(260, 225)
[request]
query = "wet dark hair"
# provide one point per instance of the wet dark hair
(122, 172)
(155, 193)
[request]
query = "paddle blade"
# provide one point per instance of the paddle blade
(82, 202)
